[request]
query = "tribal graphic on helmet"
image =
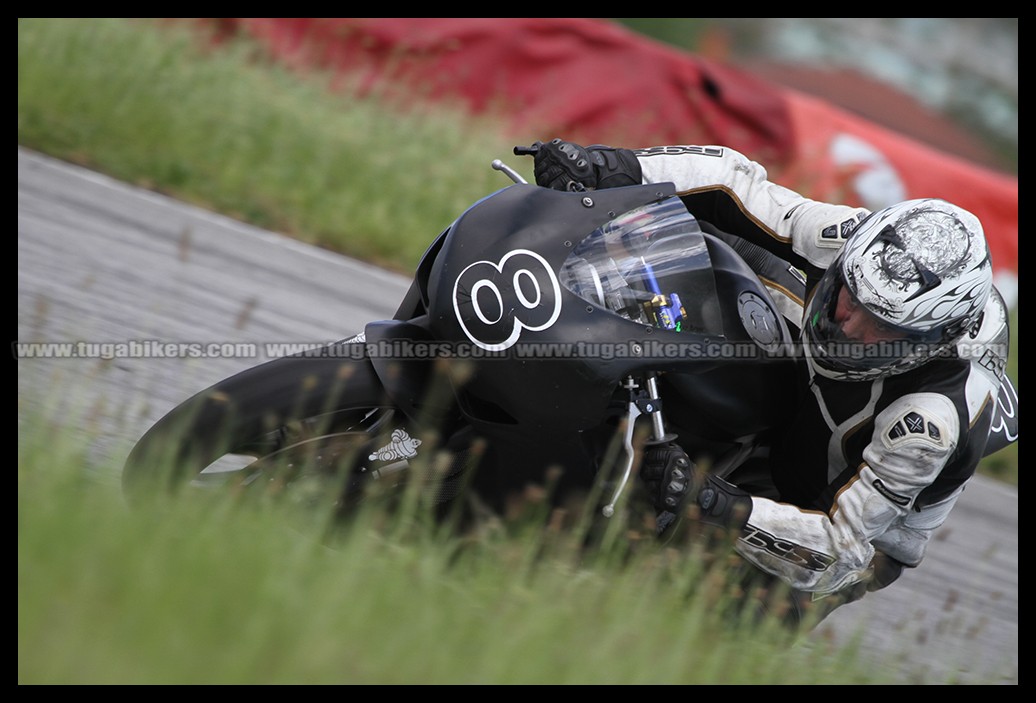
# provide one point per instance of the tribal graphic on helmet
(908, 282)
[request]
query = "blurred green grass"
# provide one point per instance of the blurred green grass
(230, 132)
(260, 590)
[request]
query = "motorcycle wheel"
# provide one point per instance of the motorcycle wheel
(308, 421)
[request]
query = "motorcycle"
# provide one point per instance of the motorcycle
(536, 344)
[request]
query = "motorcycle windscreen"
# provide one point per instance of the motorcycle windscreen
(650, 265)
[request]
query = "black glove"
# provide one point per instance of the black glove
(675, 483)
(668, 473)
(884, 570)
(567, 166)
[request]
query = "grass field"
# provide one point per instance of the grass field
(256, 591)
(221, 592)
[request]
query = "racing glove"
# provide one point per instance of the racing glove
(565, 165)
(884, 570)
(675, 484)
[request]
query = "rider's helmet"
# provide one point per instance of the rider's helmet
(909, 281)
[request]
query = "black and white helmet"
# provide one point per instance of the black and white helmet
(917, 274)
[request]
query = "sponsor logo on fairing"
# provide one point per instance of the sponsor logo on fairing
(401, 446)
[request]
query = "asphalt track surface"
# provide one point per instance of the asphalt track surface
(106, 264)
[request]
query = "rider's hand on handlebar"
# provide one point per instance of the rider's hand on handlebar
(565, 165)
(669, 475)
(674, 483)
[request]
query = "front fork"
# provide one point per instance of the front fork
(642, 398)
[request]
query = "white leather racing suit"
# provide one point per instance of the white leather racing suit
(861, 466)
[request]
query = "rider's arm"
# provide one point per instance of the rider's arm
(906, 540)
(726, 188)
(827, 551)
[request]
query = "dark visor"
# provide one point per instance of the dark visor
(834, 350)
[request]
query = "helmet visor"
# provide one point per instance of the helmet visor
(846, 338)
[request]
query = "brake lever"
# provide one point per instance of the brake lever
(632, 413)
(639, 403)
(511, 173)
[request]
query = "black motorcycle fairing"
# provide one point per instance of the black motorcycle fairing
(543, 356)
(403, 354)
(532, 384)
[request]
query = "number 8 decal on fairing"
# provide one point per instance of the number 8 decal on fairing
(522, 276)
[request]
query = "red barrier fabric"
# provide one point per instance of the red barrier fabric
(583, 79)
(853, 160)
(593, 81)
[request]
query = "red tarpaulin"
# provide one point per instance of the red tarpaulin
(838, 153)
(593, 81)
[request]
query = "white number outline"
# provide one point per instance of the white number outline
(519, 325)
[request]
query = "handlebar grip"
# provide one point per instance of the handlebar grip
(526, 150)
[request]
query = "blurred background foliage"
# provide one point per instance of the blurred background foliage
(964, 70)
